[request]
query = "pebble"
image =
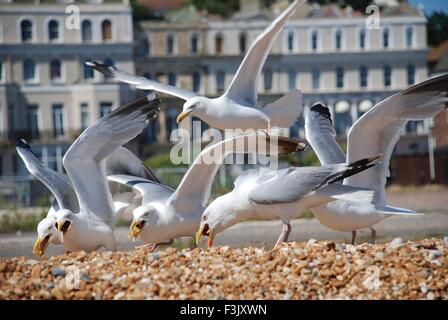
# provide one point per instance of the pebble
(57, 293)
(32, 262)
(58, 272)
(35, 272)
(3, 266)
(395, 244)
(315, 270)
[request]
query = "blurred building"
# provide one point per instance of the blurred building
(47, 95)
(326, 51)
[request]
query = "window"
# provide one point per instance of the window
(243, 43)
(33, 121)
(411, 74)
(152, 132)
(106, 29)
(220, 81)
(268, 80)
(1, 71)
(87, 72)
(147, 75)
(172, 79)
(169, 44)
(415, 126)
(362, 38)
(386, 39)
(339, 78)
(170, 122)
(86, 31)
(338, 40)
(55, 70)
(29, 70)
(316, 79)
(105, 108)
(292, 79)
(363, 76)
(53, 30)
(196, 81)
(219, 41)
(194, 43)
(145, 45)
(58, 120)
(387, 76)
(342, 118)
(314, 39)
(84, 115)
(409, 37)
(26, 30)
(290, 41)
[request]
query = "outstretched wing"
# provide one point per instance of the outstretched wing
(85, 160)
(378, 130)
(58, 184)
(194, 190)
(123, 161)
(149, 190)
(320, 133)
(291, 184)
(140, 82)
(243, 88)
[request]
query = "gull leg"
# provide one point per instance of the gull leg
(373, 235)
(152, 246)
(353, 237)
(284, 235)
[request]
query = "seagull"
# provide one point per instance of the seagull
(237, 107)
(91, 227)
(376, 132)
(285, 194)
(166, 214)
(121, 161)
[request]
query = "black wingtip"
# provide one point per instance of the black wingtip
(150, 105)
(103, 68)
(23, 144)
(321, 108)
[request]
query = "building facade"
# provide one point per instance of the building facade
(47, 95)
(327, 52)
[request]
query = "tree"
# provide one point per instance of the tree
(437, 28)
(224, 8)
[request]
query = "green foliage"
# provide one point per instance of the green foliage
(437, 28)
(224, 8)
(161, 161)
(13, 221)
(140, 12)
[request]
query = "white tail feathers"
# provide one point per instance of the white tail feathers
(285, 111)
(348, 193)
(396, 211)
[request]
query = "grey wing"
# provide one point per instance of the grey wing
(288, 185)
(85, 160)
(149, 190)
(58, 184)
(243, 88)
(123, 161)
(378, 130)
(141, 82)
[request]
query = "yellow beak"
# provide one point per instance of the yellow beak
(182, 116)
(199, 235)
(59, 225)
(211, 236)
(40, 249)
(134, 231)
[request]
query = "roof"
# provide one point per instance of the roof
(438, 52)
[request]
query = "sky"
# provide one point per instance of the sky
(432, 5)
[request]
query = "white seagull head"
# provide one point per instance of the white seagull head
(218, 216)
(64, 221)
(144, 218)
(45, 232)
(196, 106)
